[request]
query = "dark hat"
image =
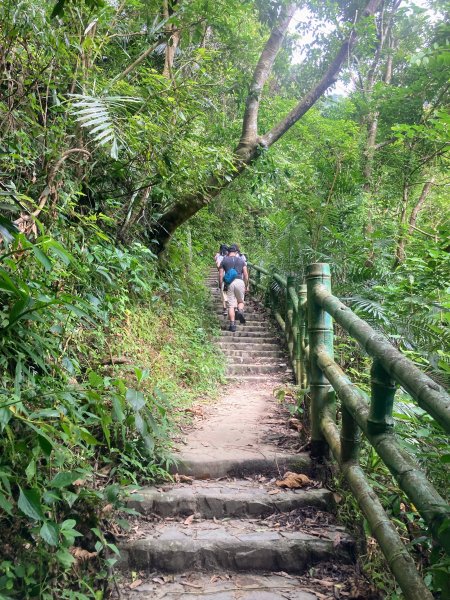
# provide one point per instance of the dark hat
(233, 248)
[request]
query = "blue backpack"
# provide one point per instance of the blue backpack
(230, 276)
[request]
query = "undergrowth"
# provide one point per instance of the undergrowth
(99, 356)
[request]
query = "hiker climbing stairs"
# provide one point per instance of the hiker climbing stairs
(253, 351)
(244, 518)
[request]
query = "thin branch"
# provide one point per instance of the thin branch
(260, 75)
(329, 78)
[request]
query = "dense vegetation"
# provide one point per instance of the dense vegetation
(119, 122)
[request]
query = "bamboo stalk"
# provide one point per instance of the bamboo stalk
(429, 395)
(320, 332)
(398, 558)
(409, 476)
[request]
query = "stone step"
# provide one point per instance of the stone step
(242, 332)
(274, 355)
(253, 369)
(228, 345)
(220, 499)
(274, 378)
(255, 359)
(248, 327)
(197, 465)
(234, 545)
(226, 586)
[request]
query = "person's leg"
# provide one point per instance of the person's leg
(232, 303)
(239, 291)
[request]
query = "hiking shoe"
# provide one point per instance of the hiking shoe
(232, 327)
(240, 317)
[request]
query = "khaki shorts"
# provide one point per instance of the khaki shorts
(235, 293)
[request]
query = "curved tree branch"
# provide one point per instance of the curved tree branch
(262, 71)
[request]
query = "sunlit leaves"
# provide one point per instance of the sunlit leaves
(100, 116)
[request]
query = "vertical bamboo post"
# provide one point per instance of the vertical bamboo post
(301, 338)
(350, 437)
(320, 330)
(289, 320)
(382, 400)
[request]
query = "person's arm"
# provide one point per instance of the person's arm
(221, 272)
(246, 279)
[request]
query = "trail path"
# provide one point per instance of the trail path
(225, 530)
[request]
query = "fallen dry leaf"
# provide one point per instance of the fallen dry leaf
(107, 509)
(189, 520)
(337, 498)
(294, 480)
(192, 585)
(135, 584)
(295, 424)
(272, 492)
(82, 555)
(183, 478)
(79, 482)
(158, 580)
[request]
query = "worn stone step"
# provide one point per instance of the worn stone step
(274, 378)
(220, 499)
(248, 327)
(255, 359)
(231, 346)
(242, 332)
(274, 355)
(226, 586)
(234, 545)
(271, 463)
(253, 369)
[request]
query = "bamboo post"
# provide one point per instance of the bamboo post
(301, 338)
(350, 437)
(289, 320)
(320, 331)
(382, 400)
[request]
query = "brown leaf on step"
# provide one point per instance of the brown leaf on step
(294, 480)
(295, 424)
(158, 580)
(195, 410)
(82, 555)
(272, 492)
(179, 478)
(189, 520)
(336, 540)
(284, 574)
(107, 509)
(337, 498)
(135, 584)
(192, 585)
(79, 482)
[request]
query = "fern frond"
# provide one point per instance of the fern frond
(99, 115)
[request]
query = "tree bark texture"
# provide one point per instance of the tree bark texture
(250, 144)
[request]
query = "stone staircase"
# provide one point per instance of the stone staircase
(224, 529)
(254, 351)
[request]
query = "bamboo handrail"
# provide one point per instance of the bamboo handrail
(311, 352)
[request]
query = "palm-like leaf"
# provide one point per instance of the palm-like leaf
(100, 116)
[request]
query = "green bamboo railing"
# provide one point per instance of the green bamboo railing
(305, 313)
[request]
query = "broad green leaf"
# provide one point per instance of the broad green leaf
(64, 479)
(5, 504)
(42, 258)
(117, 411)
(49, 533)
(65, 558)
(30, 504)
(95, 379)
(135, 399)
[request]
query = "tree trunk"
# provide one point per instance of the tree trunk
(250, 143)
(402, 238)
